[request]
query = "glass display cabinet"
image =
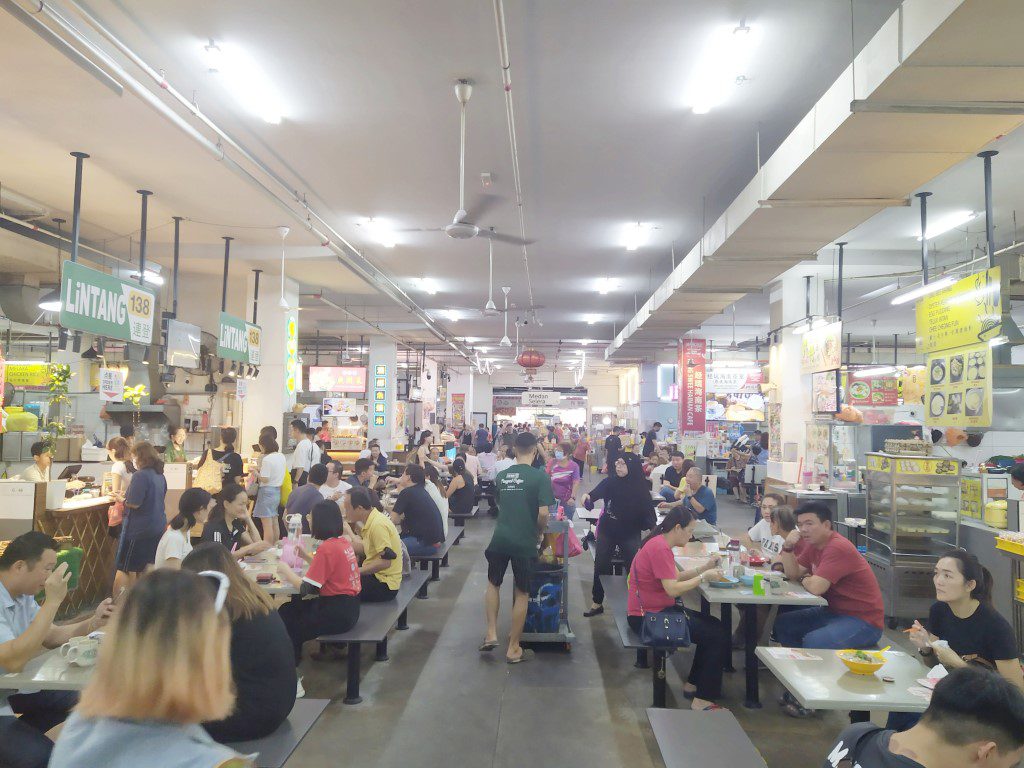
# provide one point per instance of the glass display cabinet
(913, 507)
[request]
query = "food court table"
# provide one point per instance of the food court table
(824, 682)
(744, 597)
(48, 672)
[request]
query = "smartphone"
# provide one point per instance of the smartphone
(255, 448)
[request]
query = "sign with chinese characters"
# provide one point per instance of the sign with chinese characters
(238, 340)
(877, 463)
(378, 401)
(241, 390)
(732, 380)
(106, 305)
(28, 375)
(958, 392)
(541, 398)
(692, 364)
(970, 497)
(927, 466)
(872, 390)
(111, 386)
(458, 409)
(337, 379)
(821, 349)
(967, 312)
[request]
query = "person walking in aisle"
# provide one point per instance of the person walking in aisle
(612, 450)
(270, 478)
(523, 495)
(581, 452)
(565, 479)
(144, 518)
(628, 510)
(650, 440)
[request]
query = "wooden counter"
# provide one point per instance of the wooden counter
(85, 520)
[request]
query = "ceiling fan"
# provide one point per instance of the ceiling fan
(463, 226)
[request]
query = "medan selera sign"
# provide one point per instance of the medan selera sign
(238, 340)
(105, 305)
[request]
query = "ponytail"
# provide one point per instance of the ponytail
(675, 516)
(228, 435)
(191, 501)
(972, 570)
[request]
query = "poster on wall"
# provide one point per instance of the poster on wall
(735, 407)
(817, 448)
(821, 349)
(912, 385)
(966, 312)
(872, 390)
(775, 432)
(692, 361)
(458, 409)
(825, 392)
(959, 388)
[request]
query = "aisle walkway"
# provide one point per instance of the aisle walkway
(438, 702)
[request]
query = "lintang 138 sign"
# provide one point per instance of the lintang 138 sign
(238, 340)
(105, 305)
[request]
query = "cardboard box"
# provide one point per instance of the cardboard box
(68, 449)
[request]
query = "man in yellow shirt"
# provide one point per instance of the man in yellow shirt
(377, 543)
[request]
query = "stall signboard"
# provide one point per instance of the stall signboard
(241, 390)
(825, 392)
(541, 398)
(692, 390)
(877, 463)
(924, 465)
(458, 409)
(912, 385)
(27, 375)
(970, 497)
(292, 370)
(775, 432)
(238, 340)
(958, 392)
(105, 305)
(871, 390)
(967, 312)
(337, 379)
(378, 417)
(734, 380)
(821, 349)
(111, 385)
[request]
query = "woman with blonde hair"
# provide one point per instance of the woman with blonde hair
(262, 660)
(163, 668)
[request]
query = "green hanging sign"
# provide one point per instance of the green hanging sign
(105, 305)
(238, 340)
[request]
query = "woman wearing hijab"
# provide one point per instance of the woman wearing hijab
(628, 510)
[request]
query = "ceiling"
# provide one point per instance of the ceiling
(370, 129)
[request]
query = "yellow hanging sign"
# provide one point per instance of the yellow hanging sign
(966, 312)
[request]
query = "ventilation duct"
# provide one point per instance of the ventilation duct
(20, 302)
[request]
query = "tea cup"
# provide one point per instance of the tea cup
(80, 651)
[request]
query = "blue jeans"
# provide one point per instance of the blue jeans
(667, 494)
(820, 628)
(417, 548)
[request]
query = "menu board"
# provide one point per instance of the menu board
(959, 388)
(924, 465)
(873, 390)
(825, 392)
(725, 381)
(966, 312)
(692, 360)
(970, 497)
(822, 349)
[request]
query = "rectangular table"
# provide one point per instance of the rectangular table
(744, 597)
(48, 672)
(827, 683)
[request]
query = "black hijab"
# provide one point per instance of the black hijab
(628, 505)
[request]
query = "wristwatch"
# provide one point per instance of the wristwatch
(788, 548)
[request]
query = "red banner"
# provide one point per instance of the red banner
(692, 359)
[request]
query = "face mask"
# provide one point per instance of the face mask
(559, 455)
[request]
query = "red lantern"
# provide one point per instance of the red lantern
(531, 360)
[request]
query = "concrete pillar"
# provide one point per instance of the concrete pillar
(383, 370)
(483, 398)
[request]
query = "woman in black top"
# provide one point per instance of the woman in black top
(231, 463)
(461, 491)
(262, 662)
(963, 617)
(628, 510)
(231, 525)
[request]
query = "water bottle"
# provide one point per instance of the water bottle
(294, 527)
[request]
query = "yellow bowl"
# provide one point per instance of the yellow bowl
(860, 667)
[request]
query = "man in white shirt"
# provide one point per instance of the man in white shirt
(315, 454)
(472, 462)
(302, 457)
(39, 471)
(505, 462)
(488, 461)
(335, 487)
(27, 567)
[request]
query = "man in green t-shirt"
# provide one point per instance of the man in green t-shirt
(523, 494)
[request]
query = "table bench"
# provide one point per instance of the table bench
(460, 519)
(689, 739)
(375, 622)
(440, 558)
(274, 750)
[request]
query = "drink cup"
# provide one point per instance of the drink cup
(81, 651)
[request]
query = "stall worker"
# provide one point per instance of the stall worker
(39, 470)
(302, 457)
(174, 453)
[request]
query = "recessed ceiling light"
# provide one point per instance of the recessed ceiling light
(244, 79)
(591, 319)
(606, 284)
(635, 235)
(722, 67)
(427, 285)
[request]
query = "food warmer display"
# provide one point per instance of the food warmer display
(913, 508)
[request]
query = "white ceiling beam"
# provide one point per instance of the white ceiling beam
(983, 108)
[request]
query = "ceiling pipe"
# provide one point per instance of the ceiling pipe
(174, 279)
(839, 283)
(923, 197)
(76, 211)
(256, 294)
(224, 281)
(145, 193)
(990, 235)
(347, 254)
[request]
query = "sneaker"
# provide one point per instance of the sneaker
(797, 711)
(299, 690)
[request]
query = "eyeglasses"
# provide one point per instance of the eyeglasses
(222, 589)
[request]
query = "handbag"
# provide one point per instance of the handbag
(575, 548)
(209, 474)
(664, 629)
(115, 514)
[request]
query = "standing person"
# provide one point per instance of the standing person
(121, 471)
(230, 461)
(144, 517)
(262, 659)
(302, 457)
(461, 491)
(164, 667)
(29, 566)
(39, 470)
(302, 500)
(378, 544)
(127, 431)
(422, 528)
(268, 496)
(565, 479)
(231, 525)
(523, 494)
(651, 440)
(481, 438)
(628, 510)
(465, 435)
(581, 452)
(332, 578)
(736, 464)
(194, 506)
(974, 718)
(656, 583)
(612, 450)
(174, 453)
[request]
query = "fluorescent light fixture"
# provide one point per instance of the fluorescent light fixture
(923, 290)
(153, 278)
(998, 341)
(497, 367)
(970, 296)
(581, 352)
(427, 285)
(585, 342)
(452, 315)
(635, 236)
(722, 67)
(483, 349)
(879, 370)
(942, 224)
(243, 77)
(49, 301)
(591, 319)
(380, 232)
(880, 291)
(607, 284)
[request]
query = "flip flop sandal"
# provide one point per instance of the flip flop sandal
(488, 645)
(526, 655)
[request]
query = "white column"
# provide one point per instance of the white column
(483, 398)
(383, 365)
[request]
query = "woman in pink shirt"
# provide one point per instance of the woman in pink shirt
(655, 583)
